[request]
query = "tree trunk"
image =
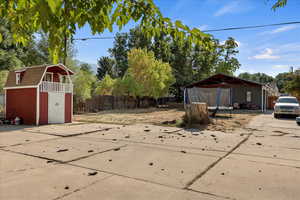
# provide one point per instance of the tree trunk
(197, 113)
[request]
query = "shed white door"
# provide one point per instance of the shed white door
(56, 108)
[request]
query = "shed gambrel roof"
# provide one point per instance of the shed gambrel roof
(32, 76)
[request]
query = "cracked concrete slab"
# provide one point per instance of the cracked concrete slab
(47, 183)
(11, 164)
(171, 147)
(288, 142)
(207, 140)
(270, 154)
(153, 165)
(121, 188)
(20, 137)
(69, 129)
(294, 163)
(65, 149)
(241, 179)
(268, 123)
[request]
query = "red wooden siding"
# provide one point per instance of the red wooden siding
(43, 107)
(21, 103)
(55, 77)
(68, 107)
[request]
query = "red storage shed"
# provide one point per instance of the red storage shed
(40, 95)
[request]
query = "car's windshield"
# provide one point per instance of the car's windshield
(287, 100)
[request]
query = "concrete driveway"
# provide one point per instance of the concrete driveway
(114, 162)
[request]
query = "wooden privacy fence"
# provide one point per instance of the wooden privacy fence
(271, 102)
(106, 102)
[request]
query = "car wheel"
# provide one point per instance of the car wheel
(276, 116)
(298, 123)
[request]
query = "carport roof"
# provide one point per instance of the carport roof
(223, 80)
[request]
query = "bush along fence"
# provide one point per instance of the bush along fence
(107, 102)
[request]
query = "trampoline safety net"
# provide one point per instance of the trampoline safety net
(214, 97)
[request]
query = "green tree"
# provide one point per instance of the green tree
(61, 18)
(228, 64)
(257, 77)
(153, 76)
(189, 62)
(106, 65)
(204, 61)
(36, 52)
(9, 52)
(126, 86)
(119, 53)
(181, 63)
(86, 67)
(83, 82)
(105, 86)
(282, 79)
(293, 86)
(3, 76)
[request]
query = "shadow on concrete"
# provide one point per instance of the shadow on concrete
(7, 128)
(287, 117)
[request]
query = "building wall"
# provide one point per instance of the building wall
(68, 107)
(43, 108)
(239, 94)
(21, 103)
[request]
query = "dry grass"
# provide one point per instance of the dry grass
(166, 117)
(132, 116)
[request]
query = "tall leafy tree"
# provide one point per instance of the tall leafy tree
(153, 76)
(9, 52)
(3, 76)
(228, 64)
(126, 86)
(293, 86)
(181, 63)
(83, 85)
(106, 65)
(257, 77)
(105, 86)
(189, 62)
(61, 18)
(119, 53)
(282, 79)
(204, 61)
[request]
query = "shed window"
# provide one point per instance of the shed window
(249, 96)
(48, 77)
(18, 78)
(62, 78)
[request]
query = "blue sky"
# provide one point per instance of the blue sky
(269, 50)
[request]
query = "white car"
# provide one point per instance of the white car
(298, 120)
(286, 105)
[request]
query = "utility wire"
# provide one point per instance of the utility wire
(251, 27)
(210, 30)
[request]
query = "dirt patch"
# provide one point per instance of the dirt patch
(134, 116)
(163, 117)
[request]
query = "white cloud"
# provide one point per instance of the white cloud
(284, 29)
(228, 8)
(280, 29)
(280, 66)
(265, 55)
